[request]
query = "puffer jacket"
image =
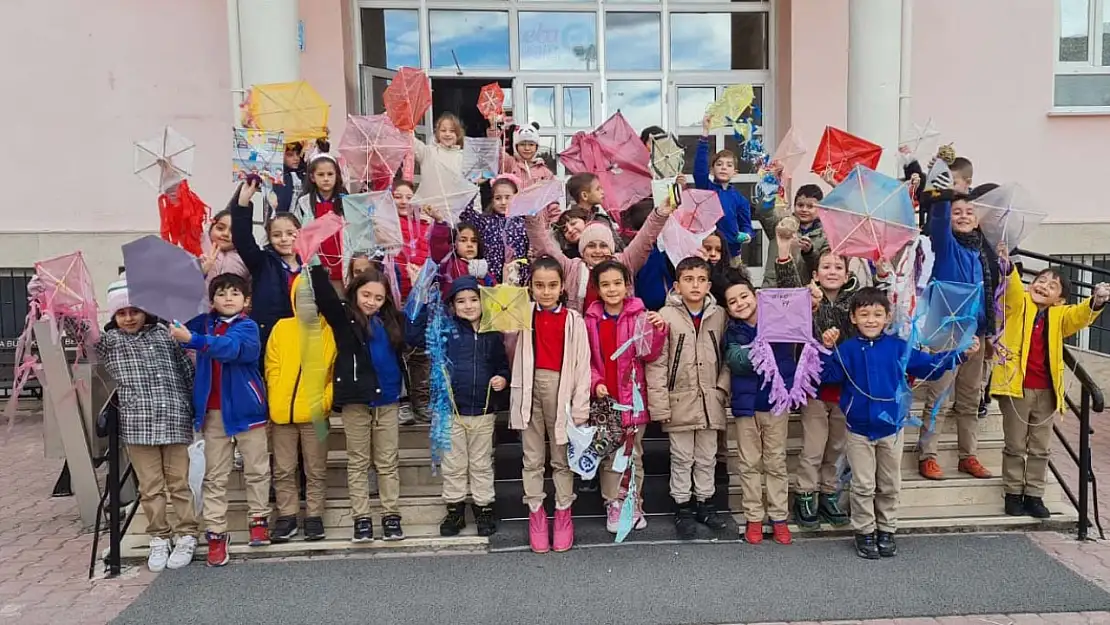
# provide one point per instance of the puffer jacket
(688, 385)
(475, 359)
(630, 366)
(298, 384)
(749, 393)
(529, 172)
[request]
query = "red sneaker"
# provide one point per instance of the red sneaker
(780, 532)
(930, 470)
(260, 532)
(753, 534)
(217, 549)
(538, 536)
(971, 466)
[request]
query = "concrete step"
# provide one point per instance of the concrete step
(414, 466)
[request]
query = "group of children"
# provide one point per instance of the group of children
(280, 350)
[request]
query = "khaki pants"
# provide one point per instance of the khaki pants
(1027, 423)
(696, 451)
(824, 428)
(219, 449)
(762, 443)
(287, 440)
(611, 480)
(372, 433)
(876, 481)
(545, 412)
(967, 391)
(162, 468)
(419, 369)
(471, 456)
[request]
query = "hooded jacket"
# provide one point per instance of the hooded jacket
(242, 397)
(954, 262)
(750, 392)
(299, 383)
(270, 298)
(737, 209)
(630, 366)
(529, 172)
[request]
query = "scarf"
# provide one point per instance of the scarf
(988, 258)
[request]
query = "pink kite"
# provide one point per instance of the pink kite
(678, 242)
(614, 152)
(535, 198)
(786, 316)
(700, 210)
(868, 216)
(314, 233)
(373, 148)
(789, 154)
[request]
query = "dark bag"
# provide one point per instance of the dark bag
(608, 422)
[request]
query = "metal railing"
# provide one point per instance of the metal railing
(110, 508)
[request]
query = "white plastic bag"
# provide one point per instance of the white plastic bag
(196, 474)
(581, 456)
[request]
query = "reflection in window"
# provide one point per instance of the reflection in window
(742, 166)
(390, 38)
(692, 102)
(553, 40)
(640, 101)
(690, 149)
(1082, 90)
(1074, 26)
(377, 93)
(577, 107)
(473, 39)
(1106, 33)
(541, 106)
(632, 41)
(718, 41)
(547, 152)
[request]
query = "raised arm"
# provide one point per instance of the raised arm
(439, 241)
(543, 244)
(327, 300)
(932, 366)
(636, 255)
(242, 229)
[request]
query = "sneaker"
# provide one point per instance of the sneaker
(455, 520)
(828, 507)
(260, 532)
(866, 547)
(364, 530)
(805, 511)
(405, 415)
(983, 409)
(237, 462)
(589, 486)
(685, 525)
(885, 542)
(780, 532)
(753, 533)
(706, 514)
(613, 515)
(929, 469)
(284, 530)
(217, 549)
(391, 528)
(563, 538)
(314, 528)
(420, 415)
(971, 466)
(183, 551)
(639, 521)
(1034, 507)
(538, 536)
(159, 554)
(1015, 505)
(485, 520)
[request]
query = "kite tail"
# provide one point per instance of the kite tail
(27, 364)
(313, 368)
(182, 215)
(441, 404)
(807, 377)
(408, 165)
(763, 359)
(390, 267)
(1000, 314)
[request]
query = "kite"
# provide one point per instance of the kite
(421, 289)
(373, 226)
(668, 157)
(662, 190)
(699, 211)
(313, 234)
(373, 149)
(182, 215)
(946, 319)
(868, 216)
(292, 108)
(164, 161)
(407, 99)
(788, 155)
(164, 280)
(505, 309)
(314, 333)
(258, 152)
(481, 158)
(921, 140)
(678, 242)
(839, 153)
(613, 152)
(734, 100)
(439, 330)
(1007, 215)
(535, 198)
(786, 316)
(491, 102)
(444, 190)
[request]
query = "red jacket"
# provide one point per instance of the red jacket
(630, 365)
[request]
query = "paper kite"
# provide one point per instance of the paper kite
(789, 154)
(1007, 215)
(407, 98)
(166, 160)
(868, 216)
(292, 108)
(421, 289)
(700, 210)
(947, 316)
(164, 280)
(616, 155)
(258, 152)
(786, 316)
(839, 152)
(662, 190)
(481, 158)
(668, 157)
(491, 102)
(921, 140)
(534, 199)
(678, 242)
(505, 309)
(313, 234)
(373, 225)
(67, 289)
(734, 100)
(444, 190)
(373, 149)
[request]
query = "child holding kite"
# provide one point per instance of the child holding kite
(506, 242)
(716, 174)
(809, 242)
(447, 147)
(155, 419)
(323, 194)
(550, 384)
(872, 368)
(525, 163)
(584, 190)
(468, 258)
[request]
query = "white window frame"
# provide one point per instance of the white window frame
(1092, 66)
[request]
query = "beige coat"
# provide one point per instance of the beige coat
(574, 380)
(688, 385)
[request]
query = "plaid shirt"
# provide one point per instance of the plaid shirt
(155, 380)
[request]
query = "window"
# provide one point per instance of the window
(1097, 336)
(469, 39)
(390, 38)
(719, 41)
(640, 101)
(557, 41)
(632, 41)
(1082, 80)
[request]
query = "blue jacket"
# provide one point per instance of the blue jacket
(473, 360)
(285, 192)
(874, 395)
(387, 365)
(954, 262)
(242, 394)
(748, 391)
(270, 300)
(655, 279)
(737, 209)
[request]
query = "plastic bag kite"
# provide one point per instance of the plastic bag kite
(373, 149)
(182, 215)
(407, 99)
(444, 190)
(421, 289)
(481, 158)
(293, 108)
(166, 160)
(868, 216)
(678, 242)
(535, 198)
(373, 226)
(734, 100)
(786, 316)
(441, 405)
(614, 152)
(946, 320)
(491, 102)
(164, 280)
(788, 155)
(313, 364)
(258, 152)
(840, 152)
(505, 309)
(1007, 215)
(313, 235)
(668, 157)
(700, 210)
(921, 140)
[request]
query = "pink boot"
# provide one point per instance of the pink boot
(564, 530)
(537, 531)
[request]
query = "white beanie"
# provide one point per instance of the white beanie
(526, 133)
(118, 297)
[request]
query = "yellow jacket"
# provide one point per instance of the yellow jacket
(1063, 321)
(300, 388)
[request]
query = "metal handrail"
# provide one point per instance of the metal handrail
(1059, 261)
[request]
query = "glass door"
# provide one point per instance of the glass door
(561, 108)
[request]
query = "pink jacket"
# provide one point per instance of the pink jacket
(574, 381)
(629, 365)
(576, 274)
(529, 172)
(228, 262)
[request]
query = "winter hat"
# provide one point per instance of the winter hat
(527, 133)
(462, 283)
(596, 231)
(118, 298)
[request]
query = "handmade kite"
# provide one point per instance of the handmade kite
(786, 316)
(663, 190)
(164, 280)
(481, 158)
(678, 242)
(668, 157)
(292, 108)
(505, 309)
(373, 226)
(699, 211)
(421, 289)
(1007, 215)
(921, 139)
(258, 152)
(788, 155)
(535, 198)
(437, 333)
(946, 320)
(314, 367)
(491, 102)
(313, 234)
(868, 216)
(164, 161)
(373, 149)
(734, 100)
(839, 153)
(444, 190)
(407, 99)
(616, 155)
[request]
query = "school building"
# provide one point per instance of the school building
(1021, 86)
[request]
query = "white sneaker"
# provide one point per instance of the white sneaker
(182, 552)
(613, 516)
(159, 553)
